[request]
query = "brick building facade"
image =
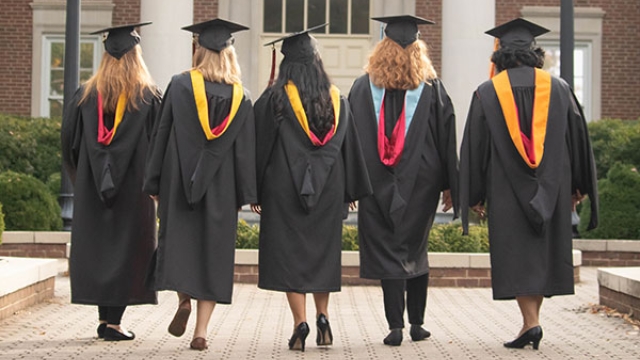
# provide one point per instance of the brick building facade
(619, 70)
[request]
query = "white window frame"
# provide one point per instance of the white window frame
(327, 16)
(587, 86)
(46, 66)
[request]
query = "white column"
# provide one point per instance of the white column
(466, 51)
(166, 48)
(245, 12)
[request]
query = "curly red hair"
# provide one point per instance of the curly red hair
(392, 67)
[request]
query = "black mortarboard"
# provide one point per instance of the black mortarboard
(298, 46)
(120, 39)
(517, 34)
(403, 29)
(215, 34)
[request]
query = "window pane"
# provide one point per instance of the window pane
(86, 55)
(360, 16)
(57, 54)
(316, 12)
(85, 75)
(55, 108)
(295, 16)
(272, 16)
(56, 86)
(338, 16)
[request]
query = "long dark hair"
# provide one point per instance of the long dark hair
(507, 58)
(313, 85)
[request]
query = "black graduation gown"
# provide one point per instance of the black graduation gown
(529, 210)
(304, 191)
(201, 185)
(114, 224)
(394, 223)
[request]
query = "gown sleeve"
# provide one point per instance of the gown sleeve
(245, 160)
(447, 142)
(474, 158)
(266, 131)
(71, 135)
(583, 168)
(158, 145)
(358, 184)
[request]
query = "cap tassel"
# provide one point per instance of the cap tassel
(273, 66)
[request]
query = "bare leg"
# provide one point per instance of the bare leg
(297, 304)
(205, 308)
(322, 304)
(530, 309)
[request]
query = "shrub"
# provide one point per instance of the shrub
(28, 205)
(614, 141)
(247, 236)
(30, 145)
(53, 183)
(448, 238)
(350, 237)
(619, 195)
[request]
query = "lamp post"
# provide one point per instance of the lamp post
(71, 80)
(566, 41)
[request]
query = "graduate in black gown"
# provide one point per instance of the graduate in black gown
(407, 126)
(106, 129)
(201, 168)
(310, 168)
(526, 160)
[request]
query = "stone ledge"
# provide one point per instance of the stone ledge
(607, 245)
(619, 288)
(25, 282)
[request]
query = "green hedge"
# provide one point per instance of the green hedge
(27, 203)
(443, 238)
(619, 216)
(613, 141)
(30, 146)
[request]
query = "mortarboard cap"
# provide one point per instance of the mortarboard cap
(298, 46)
(215, 34)
(120, 39)
(517, 34)
(403, 29)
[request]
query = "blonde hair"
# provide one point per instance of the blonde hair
(392, 67)
(219, 67)
(128, 75)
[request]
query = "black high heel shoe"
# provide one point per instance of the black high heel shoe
(531, 336)
(299, 336)
(325, 337)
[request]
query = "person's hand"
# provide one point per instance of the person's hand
(576, 199)
(256, 209)
(155, 198)
(480, 210)
(446, 201)
(353, 206)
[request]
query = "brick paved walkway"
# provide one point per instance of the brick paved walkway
(466, 324)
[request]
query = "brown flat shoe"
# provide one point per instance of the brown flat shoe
(179, 323)
(199, 344)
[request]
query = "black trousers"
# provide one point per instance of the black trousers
(111, 314)
(394, 301)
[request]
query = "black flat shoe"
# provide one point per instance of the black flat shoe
(418, 333)
(101, 329)
(299, 336)
(111, 334)
(531, 336)
(394, 338)
(325, 337)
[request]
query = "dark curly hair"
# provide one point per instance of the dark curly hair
(507, 58)
(313, 85)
